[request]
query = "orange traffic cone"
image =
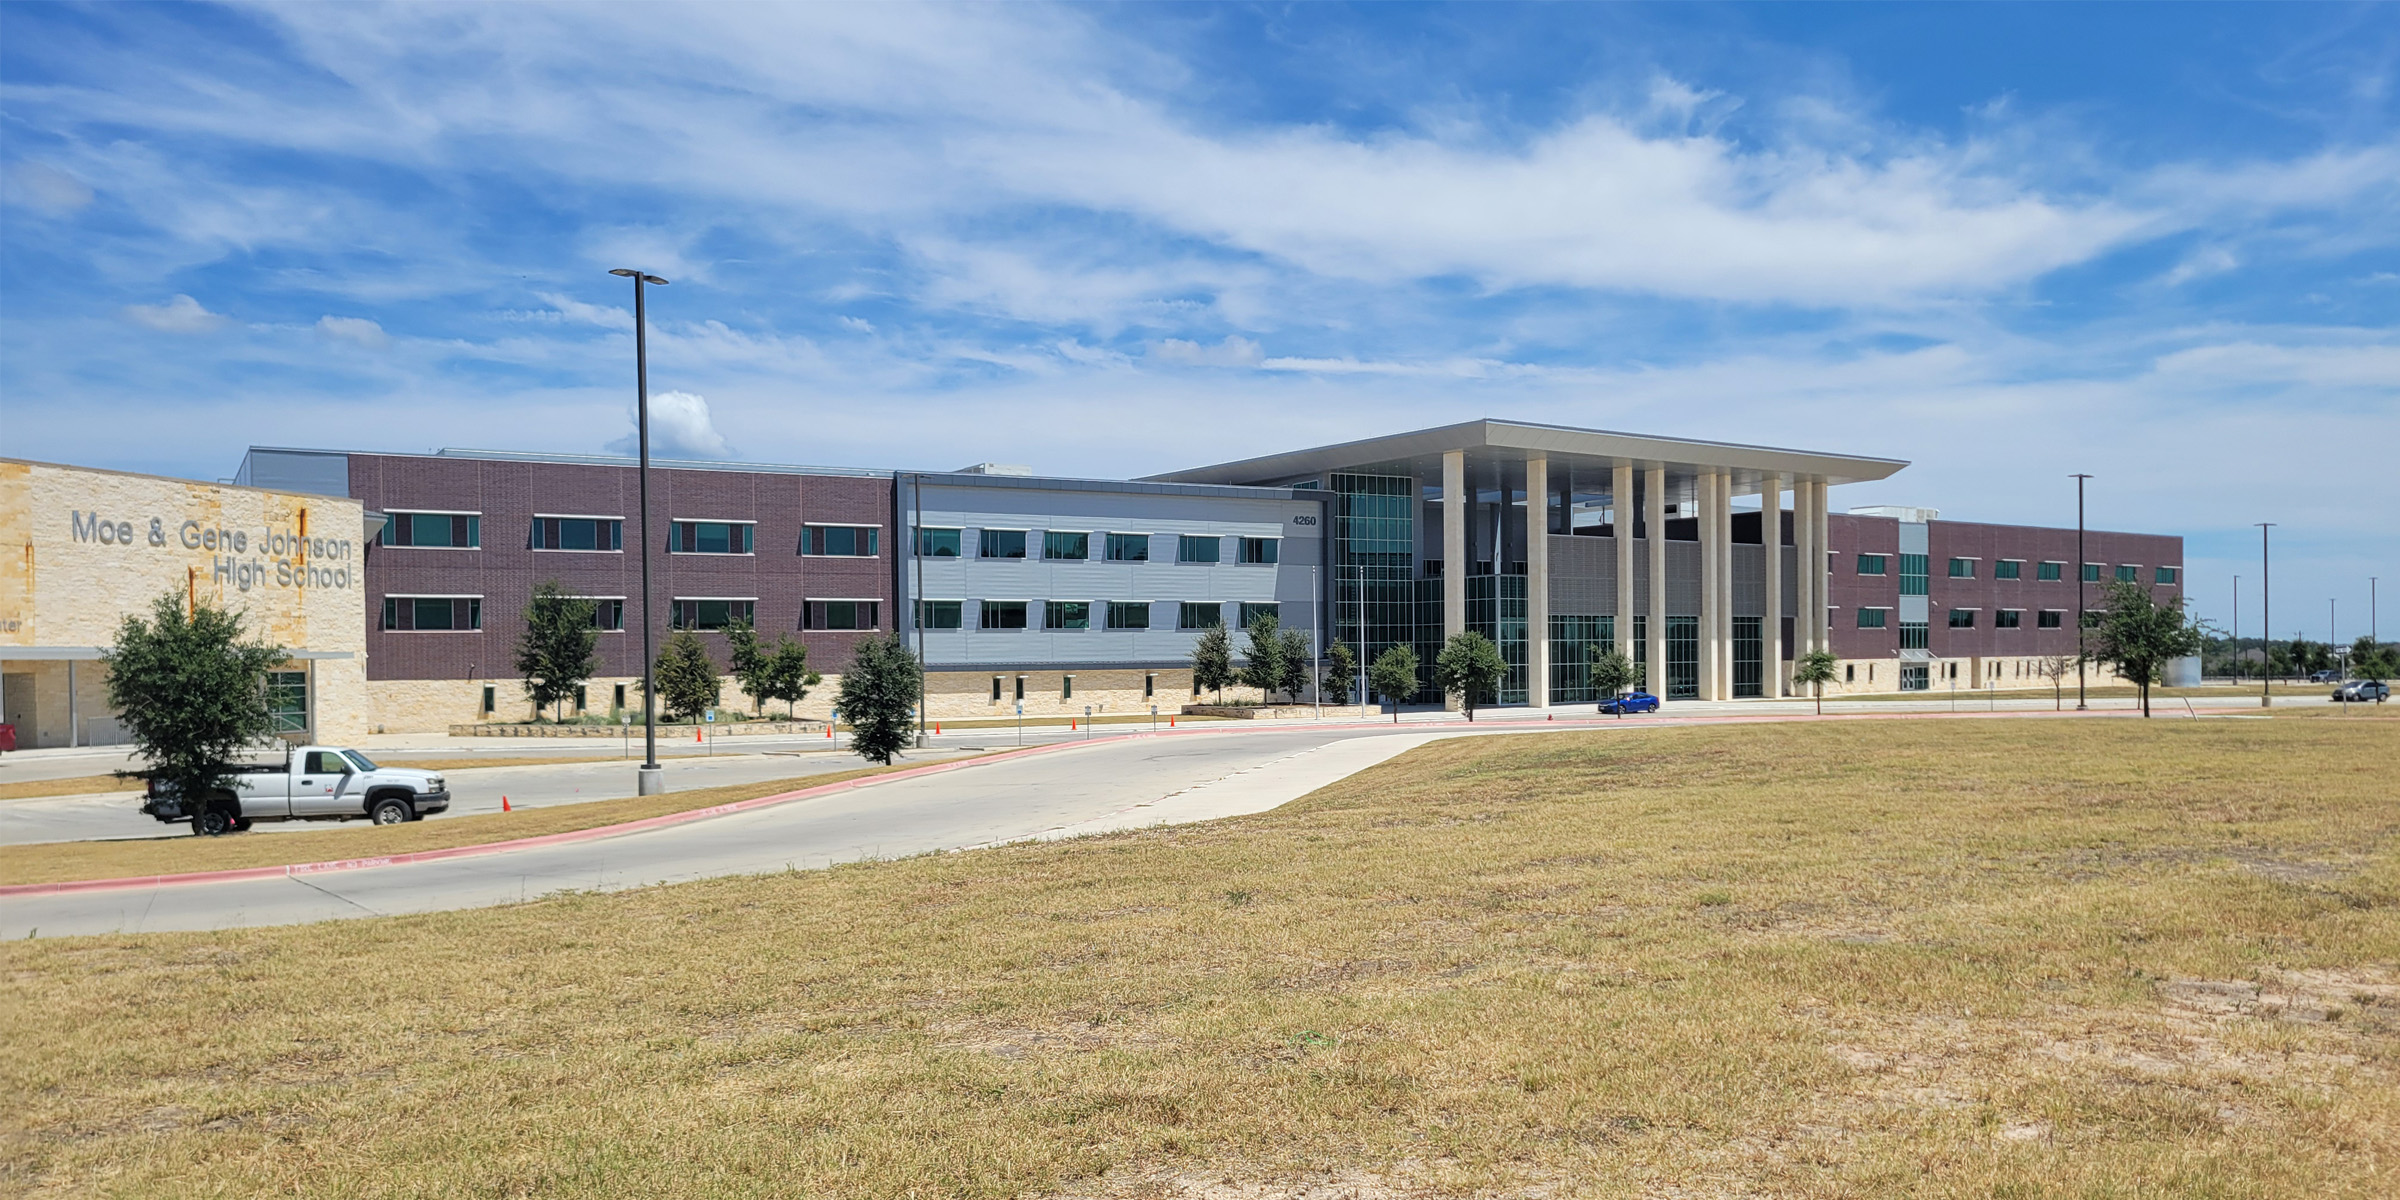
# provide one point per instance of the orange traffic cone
(695, 733)
(504, 805)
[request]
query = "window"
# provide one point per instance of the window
(1259, 551)
(1252, 612)
(2050, 618)
(1912, 575)
(429, 614)
(2165, 575)
(941, 614)
(2009, 568)
(839, 541)
(1962, 568)
(2129, 574)
(1914, 635)
(1849, 672)
(1066, 687)
(577, 533)
(840, 614)
(608, 613)
(2008, 618)
(1197, 549)
(1200, 616)
(1124, 614)
(1129, 547)
(1871, 564)
(1070, 546)
(1914, 677)
(1004, 614)
(287, 702)
(488, 698)
(1873, 618)
(995, 689)
(1020, 689)
(1066, 614)
(619, 701)
(2091, 572)
(1962, 618)
(580, 694)
(938, 543)
(711, 614)
(709, 537)
(2052, 571)
(1150, 687)
(1003, 543)
(448, 531)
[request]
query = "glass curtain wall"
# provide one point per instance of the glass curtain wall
(1496, 609)
(1683, 658)
(1375, 568)
(1748, 647)
(1571, 647)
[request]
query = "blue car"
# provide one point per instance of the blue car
(1630, 702)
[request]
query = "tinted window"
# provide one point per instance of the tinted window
(1003, 543)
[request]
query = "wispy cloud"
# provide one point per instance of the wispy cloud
(179, 315)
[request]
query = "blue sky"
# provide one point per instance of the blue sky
(2157, 243)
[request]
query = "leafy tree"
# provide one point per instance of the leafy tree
(788, 676)
(1298, 664)
(1814, 670)
(2372, 660)
(2139, 636)
(1612, 671)
(1469, 667)
(1263, 662)
(2056, 668)
(1394, 677)
(559, 650)
(687, 679)
(1212, 661)
(192, 693)
(879, 697)
(1341, 671)
(748, 663)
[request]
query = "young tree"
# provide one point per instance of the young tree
(748, 663)
(1471, 668)
(2056, 668)
(687, 679)
(192, 693)
(2372, 660)
(1814, 670)
(788, 676)
(1212, 661)
(1341, 671)
(559, 650)
(1298, 667)
(1262, 659)
(2139, 636)
(1612, 672)
(1394, 677)
(879, 697)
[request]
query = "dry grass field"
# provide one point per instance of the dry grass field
(2015, 958)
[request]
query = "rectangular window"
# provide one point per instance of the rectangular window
(1873, 618)
(2050, 618)
(2008, 618)
(995, 689)
(2091, 572)
(1871, 564)
(1004, 614)
(580, 698)
(1003, 543)
(709, 537)
(1149, 687)
(1066, 687)
(1123, 614)
(1020, 693)
(2052, 571)
(1683, 658)
(619, 694)
(840, 614)
(2129, 574)
(937, 543)
(1962, 618)
(1066, 614)
(488, 699)
(440, 531)
(2009, 568)
(1260, 551)
(711, 614)
(608, 615)
(2166, 575)
(1129, 547)
(1962, 568)
(1252, 612)
(1069, 546)
(1912, 575)
(1199, 616)
(577, 533)
(1197, 549)
(1914, 635)
(941, 614)
(433, 614)
(839, 541)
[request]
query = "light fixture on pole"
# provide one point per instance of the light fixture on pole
(649, 780)
(2080, 591)
(2266, 622)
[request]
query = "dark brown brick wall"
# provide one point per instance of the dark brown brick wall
(505, 570)
(1848, 537)
(1851, 536)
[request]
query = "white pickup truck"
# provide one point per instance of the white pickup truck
(312, 783)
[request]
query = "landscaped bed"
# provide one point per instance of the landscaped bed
(1857, 958)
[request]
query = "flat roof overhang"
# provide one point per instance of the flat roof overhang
(1489, 443)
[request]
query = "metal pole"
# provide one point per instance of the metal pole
(2266, 621)
(1316, 641)
(649, 780)
(2080, 591)
(2331, 639)
(2237, 627)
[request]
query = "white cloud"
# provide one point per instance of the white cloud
(355, 330)
(2212, 260)
(1234, 351)
(856, 324)
(681, 426)
(45, 187)
(179, 315)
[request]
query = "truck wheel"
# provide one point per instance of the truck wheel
(212, 822)
(391, 812)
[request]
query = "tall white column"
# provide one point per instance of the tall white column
(1770, 627)
(1804, 581)
(1654, 524)
(1822, 539)
(1725, 585)
(1454, 547)
(1710, 576)
(1537, 582)
(1620, 505)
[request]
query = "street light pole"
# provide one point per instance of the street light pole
(2266, 622)
(2237, 627)
(2080, 591)
(650, 779)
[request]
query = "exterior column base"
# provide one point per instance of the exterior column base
(649, 781)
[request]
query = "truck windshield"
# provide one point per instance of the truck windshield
(360, 759)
